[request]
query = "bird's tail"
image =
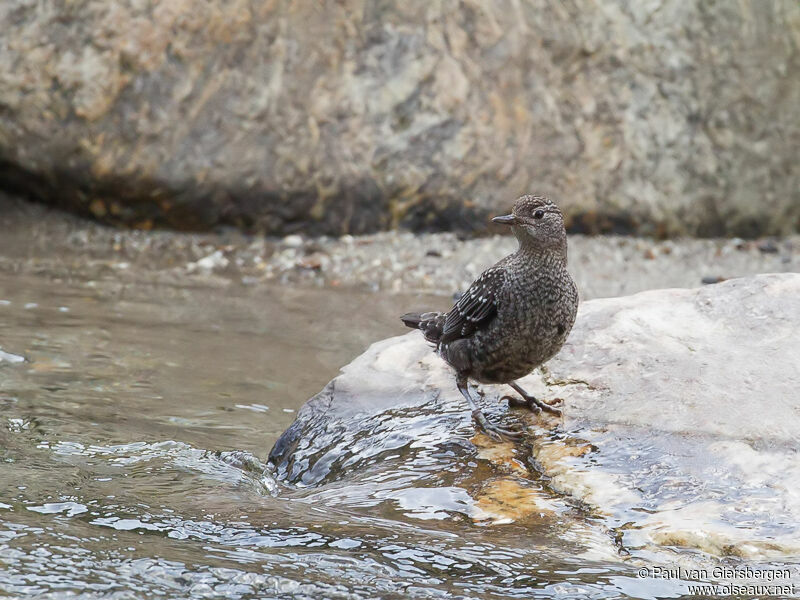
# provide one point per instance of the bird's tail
(430, 324)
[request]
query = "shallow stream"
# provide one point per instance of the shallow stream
(136, 415)
(131, 445)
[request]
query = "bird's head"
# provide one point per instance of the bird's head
(536, 222)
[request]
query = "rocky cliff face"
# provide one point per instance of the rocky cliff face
(665, 117)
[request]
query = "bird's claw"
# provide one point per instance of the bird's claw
(515, 402)
(499, 434)
(534, 404)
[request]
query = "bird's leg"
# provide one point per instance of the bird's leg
(533, 403)
(493, 431)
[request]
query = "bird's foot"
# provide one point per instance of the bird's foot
(533, 404)
(498, 434)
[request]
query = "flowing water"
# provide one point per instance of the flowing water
(136, 415)
(135, 419)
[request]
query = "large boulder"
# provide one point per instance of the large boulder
(679, 433)
(673, 117)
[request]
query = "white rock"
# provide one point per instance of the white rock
(680, 427)
(11, 358)
(293, 241)
(215, 260)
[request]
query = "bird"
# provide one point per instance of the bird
(514, 317)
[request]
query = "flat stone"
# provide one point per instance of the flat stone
(679, 432)
(690, 402)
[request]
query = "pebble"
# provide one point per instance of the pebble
(293, 241)
(390, 262)
(768, 246)
(12, 358)
(215, 260)
(712, 279)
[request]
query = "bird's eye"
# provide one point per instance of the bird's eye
(538, 214)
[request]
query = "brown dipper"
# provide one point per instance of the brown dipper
(515, 316)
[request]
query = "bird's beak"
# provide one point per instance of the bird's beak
(505, 220)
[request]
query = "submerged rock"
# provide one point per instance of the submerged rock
(346, 117)
(681, 414)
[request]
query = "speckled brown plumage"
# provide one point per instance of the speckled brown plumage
(515, 316)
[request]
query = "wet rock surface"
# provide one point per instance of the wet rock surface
(678, 435)
(350, 117)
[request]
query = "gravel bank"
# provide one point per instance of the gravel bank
(38, 239)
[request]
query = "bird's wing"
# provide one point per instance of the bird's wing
(476, 307)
